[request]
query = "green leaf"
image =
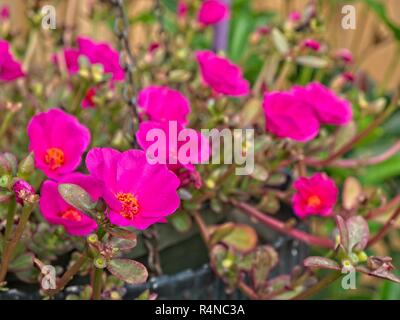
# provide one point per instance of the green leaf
(127, 270)
(220, 232)
(22, 262)
(343, 232)
(122, 244)
(181, 221)
(280, 41)
(380, 10)
(358, 232)
(123, 233)
(242, 238)
(321, 263)
(265, 259)
(312, 61)
(77, 197)
(352, 191)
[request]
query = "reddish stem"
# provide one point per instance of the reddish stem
(282, 227)
(385, 228)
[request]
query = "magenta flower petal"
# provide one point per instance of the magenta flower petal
(212, 12)
(316, 195)
(138, 193)
(58, 141)
(97, 53)
(10, 69)
(222, 75)
(163, 104)
(289, 117)
(177, 141)
(327, 106)
(56, 211)
(312, 44)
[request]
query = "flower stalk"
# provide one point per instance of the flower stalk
(12, 243)
(282, 228)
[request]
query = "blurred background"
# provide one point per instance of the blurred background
(373, 42)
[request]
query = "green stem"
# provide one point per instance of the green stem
(318, 286)
(12, 243)
(69, 274)
(10, 220)
(6, 123)
(80, 95)
(97, 283)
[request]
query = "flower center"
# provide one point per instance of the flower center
(54, 158)
(71, 215)
(129, 205)
(314, 201)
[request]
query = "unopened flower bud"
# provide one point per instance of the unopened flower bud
(5, 181)
(8, 163)
(362, 256)
(100, 263)
(92, 238)
(114, 295)
(26, 166)
(24, 192)
(179, 76)
(227, 263)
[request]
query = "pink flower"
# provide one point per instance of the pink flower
(289, 117)
(58, 141)
(138, 194)
(169, 143)
(88, 100)
(4, 13)
(295, 16)
(312, 44)
(326, 105)
(10, 69)
(56, 211)
(97, 53)
(212, 12)
(316, 195)
(345, 55)
(164, 104)
(182, 9)
(222, 75)
(22, 189)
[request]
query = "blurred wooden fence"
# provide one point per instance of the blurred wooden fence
(376, 57)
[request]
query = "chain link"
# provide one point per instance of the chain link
(127, 61)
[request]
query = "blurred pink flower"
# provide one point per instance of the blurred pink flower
(316, 195)
(212, 12)
(22, 189)
(222, 75)
(4, 13)
(138, 194)
(58, 141)
(182, 9)
(312, 44)
(295, 16)
(286, 116)
(10, 69)
(164, 104)
(178, 147)
(97, 53)
(326, 105)
(345, 55)
(56, 211)
(88, 100)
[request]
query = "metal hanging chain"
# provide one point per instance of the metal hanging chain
(127, 61)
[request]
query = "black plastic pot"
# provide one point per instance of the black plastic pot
(184, 261)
